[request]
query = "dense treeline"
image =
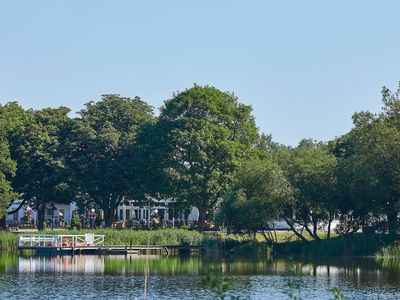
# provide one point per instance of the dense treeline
(203, 150)
(354, 178)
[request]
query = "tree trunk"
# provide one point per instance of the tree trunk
(291, 225)
(309, 231)
(41, 213)
(315, 230)
(109, 214)
(331, 217)
(328, 235)
(202, 218)
(11, 212)
(3, 223)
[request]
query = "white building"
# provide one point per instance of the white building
(61, 212)
(132, 210)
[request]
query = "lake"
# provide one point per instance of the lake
(176, 277)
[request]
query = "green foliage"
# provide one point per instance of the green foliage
(201, 136)
(220, 285)
(370, 164)
(341, 246)
(204, 151)
(257, 198)
(247, 248)
(74, 219)
(7, 171)
(337, 293)
(156, 237)
(7, 165)
(102, 152)
(390, 250)
(37, 145)
(171, 236)
(8, 240)
(99, 217)
(294, 281)
(311, 170)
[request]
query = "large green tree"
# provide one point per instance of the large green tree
(311, 169)
(102, 152)
(7, 171)
(258, 197)
(370, 158)
(7, 165)
(200, 138)
(11, 115)
(37, 145)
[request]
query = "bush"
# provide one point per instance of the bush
(351, 245)
(74, 219)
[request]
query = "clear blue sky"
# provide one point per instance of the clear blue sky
(304, 66)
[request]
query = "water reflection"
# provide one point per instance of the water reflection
(173, 277)
(359, 270)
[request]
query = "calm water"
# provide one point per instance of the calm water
(157, 277)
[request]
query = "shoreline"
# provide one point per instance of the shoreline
(356, 245)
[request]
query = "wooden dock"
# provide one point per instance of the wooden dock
(91, 244)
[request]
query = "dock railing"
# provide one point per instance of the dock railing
(60, 240)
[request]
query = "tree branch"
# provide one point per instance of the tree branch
(17, 209)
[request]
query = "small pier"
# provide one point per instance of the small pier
(91, 244)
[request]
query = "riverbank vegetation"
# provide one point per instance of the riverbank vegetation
(9, 240)
(204, 150)
(371, 245)
(379, 245)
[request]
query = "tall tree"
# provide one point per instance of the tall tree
(372, 156)
(200, 137)
(11, 115)
(354, 208)
(311, 170)
(7, 165)
(258, 197)
(37, 147)
(103, 150)
(7, 171)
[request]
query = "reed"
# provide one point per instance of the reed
(172, 236)
(352, 245)
(8, 240)
(391, 250)
(378, 245)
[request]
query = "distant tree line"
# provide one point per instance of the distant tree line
(203, 150)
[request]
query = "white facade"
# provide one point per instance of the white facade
(62, 212)
(133, 211)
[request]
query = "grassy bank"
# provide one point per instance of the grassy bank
(353, 245)
(378, 245)
(170, 236)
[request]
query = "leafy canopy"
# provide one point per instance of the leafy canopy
(258, 197)
(103, 149)
(200, 138)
